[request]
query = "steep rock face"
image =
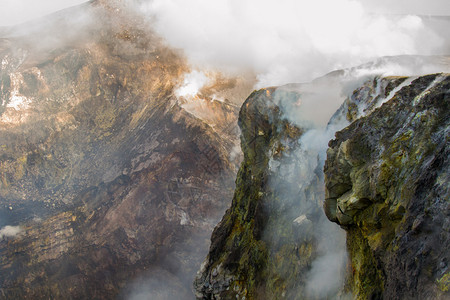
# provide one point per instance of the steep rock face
(264, 245)
(108, 176)
(269, 244)
(387, 184)
(275, 241)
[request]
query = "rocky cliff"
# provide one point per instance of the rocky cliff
(239, 257)
(386, 184)
(110, 182)
(265, 244)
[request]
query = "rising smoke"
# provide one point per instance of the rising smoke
(10, 231)
(13, 12)
(327, 273)
(295, 41)
(290, 40)
(315, 109)
(192, 84)
(281, 41)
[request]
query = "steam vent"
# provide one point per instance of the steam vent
(139, 161)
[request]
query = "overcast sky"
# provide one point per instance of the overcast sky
(18, 11)
(422, 7)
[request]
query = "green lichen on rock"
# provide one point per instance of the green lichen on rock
(367, 97)
(257, 250)
(387, 184)
(265, 244)
(444, 282)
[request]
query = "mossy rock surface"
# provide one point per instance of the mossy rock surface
(387, 184)
(258, 251)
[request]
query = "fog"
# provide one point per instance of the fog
(290, 40)
(418, 7)
(314, 107)
(13, 12)
(281, 41)
(327, 273)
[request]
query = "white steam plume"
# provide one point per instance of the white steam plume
(10, 231)
(289, 40)
(192, 84)
(327, 273)
(429, 7)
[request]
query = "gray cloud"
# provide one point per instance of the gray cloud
(429, 7)
(14, 12)
(281, 41)
(289, 40)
